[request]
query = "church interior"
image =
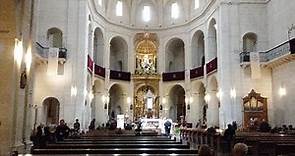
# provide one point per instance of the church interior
(147, 77)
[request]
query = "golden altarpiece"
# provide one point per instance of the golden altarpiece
(146, 79)
(255, 110)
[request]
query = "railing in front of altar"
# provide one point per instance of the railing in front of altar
(197, 72)
(173, 76)
(120, 75)
(211, 66)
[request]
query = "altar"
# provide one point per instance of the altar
(155, 124)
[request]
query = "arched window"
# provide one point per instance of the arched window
(174, 10)
(249, 42)
(119, 8)
(100, 2)
(118, 54)
(54, 37)
(146, 13)
(174, 55)
(197, 4)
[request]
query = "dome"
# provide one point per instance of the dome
(154, 14)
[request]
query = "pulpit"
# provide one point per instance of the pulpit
(255, 110)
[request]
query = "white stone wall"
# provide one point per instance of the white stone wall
(71, 17)
(283, 77)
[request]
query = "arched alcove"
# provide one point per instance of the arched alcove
(51, 110)
(55, 37)
(174, 55)
(212, 40)
(249, 42)
(98, 47)
(118, 54)
(116, 102)
(198, 49)
(177, 107)
(213, 102)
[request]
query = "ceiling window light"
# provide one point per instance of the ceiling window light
(119, 8)
(146, 13)
(174, 10)
(100, 2)
(197, 4)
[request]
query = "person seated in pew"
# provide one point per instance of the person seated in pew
(264, 126)
(229, 135)
(61, 130)
(205, 150)
(91, 127)
(240, 149)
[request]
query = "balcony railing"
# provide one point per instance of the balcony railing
(173, 76)
(197, 72)
(283, 49)
(211, 66)
(43, 51)
(119, 75)
(244, 57)
(100, 71)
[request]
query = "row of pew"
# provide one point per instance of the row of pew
(123, 145)
(259, 144)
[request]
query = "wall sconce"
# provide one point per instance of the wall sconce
(219, 94)
(164, 100)
(188, 101)
(28, 58)
(105, 100)
(129, 103)
(233, 93)
(282, 91)
(73, 91)
(18, 52)
(90, 96)
(207, 98)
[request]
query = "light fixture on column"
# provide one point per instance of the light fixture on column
(219, 94)
(90, 96)
(207, 98)
(282, 91)
(187, 101)
(233, 93)
(129, 103)
(164, 100)
(73, 91)
(105, 99)
(18, 52)
(28, 58)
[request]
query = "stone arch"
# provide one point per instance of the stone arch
(212, 39)
(249, 42)
(55, 37)
(175, 55)
(213, 102)
(118, 54)
(177, 108)
(198, 49)
(51, 110)
(98, 47)
(116, 95)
